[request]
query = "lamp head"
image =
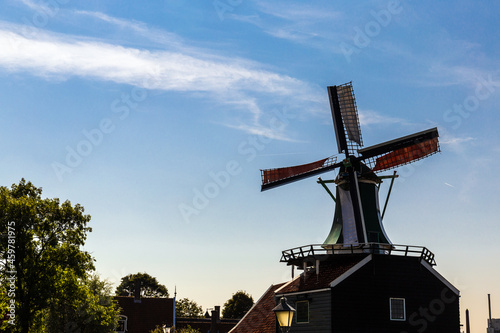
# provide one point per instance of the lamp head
(284, 314)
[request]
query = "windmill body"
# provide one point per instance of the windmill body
(344, 228)
(358, 280)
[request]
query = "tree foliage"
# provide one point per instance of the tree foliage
(4, 309)
(83, 306)
(188, 329)
(150, 287)
(157, 329)
(41, 260)
(186, 308)
(237, 305)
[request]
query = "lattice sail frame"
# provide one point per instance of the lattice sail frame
(402, 151)
(350, 118)
(282, 174)
(405, 156)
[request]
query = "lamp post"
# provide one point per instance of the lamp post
(284, 314)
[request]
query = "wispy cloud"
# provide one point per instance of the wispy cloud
(468, 76)
(370, 117)
(455, 143)
(447, 62)
(226, 80)
(161, 37)
(40, 7)
(139, 26)
(266, 132)
(299, 12)
(62, 13)
(296, 22)
(444, 61)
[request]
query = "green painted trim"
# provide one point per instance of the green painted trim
(320, 181)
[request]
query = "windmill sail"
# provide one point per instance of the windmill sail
(394, 153)
(349, 113)
(280, 176)
(406, 155)
(345, 116)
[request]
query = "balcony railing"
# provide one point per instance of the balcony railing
(316, 250)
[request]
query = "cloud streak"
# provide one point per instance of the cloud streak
(228, 81)
(369, 117)
(298, 23)
(51, 56)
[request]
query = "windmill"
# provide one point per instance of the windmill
(357, 219)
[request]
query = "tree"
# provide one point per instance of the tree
(150, 287)
(237, 305)
(41, 241)
(186, 308)
(83, 306)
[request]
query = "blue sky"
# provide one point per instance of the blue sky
(157, 117)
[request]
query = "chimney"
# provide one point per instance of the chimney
(489, 311)
(467, 323)
(215, 320)
(137, 291)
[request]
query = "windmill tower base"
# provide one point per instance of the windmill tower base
(374, 287)
(368, 290)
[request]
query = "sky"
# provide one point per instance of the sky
(157, 117)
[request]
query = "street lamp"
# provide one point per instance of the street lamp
(284, 314)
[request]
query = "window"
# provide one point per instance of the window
(302, 308)
(397, 309)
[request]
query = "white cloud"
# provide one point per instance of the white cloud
(458, 145)
(60, 12)
(449, 61)
(179, 67)
(116, 21)
(39, 7)
(66, 56)
(264, 132)
(369, 117)
(296, 12)
(298, 23)
(455, 141)
(140, 29)
(451, 75)
(226, 80)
